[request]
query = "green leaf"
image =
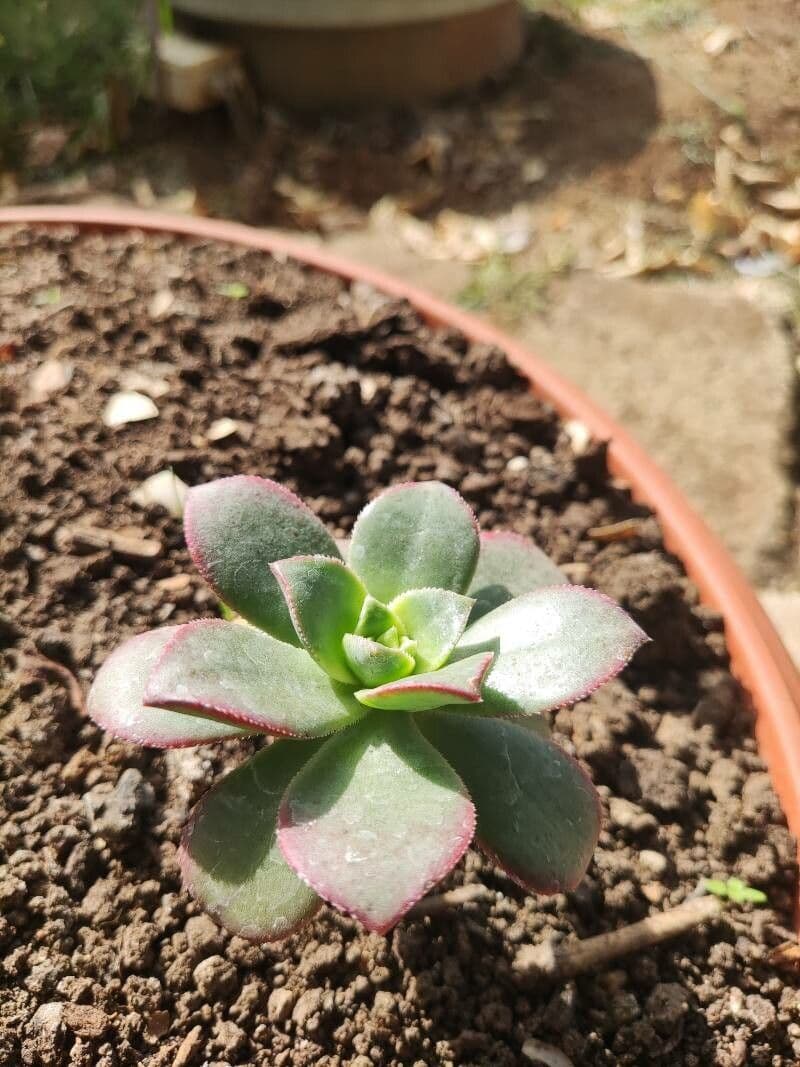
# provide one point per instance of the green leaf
(734, 889)
(324, 600)
(553, 646)
(717, 887)
(412, 536)
(435, 619)
(247, 677)
(458, 683)
(375, 618)
(234, 290)
(229, 854)
(508, 566)
(235, 527)
(373, 663)
(538, 812)
(115, 700)
(375, 819)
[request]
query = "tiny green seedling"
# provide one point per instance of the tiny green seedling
(403, 686)
(735, 890)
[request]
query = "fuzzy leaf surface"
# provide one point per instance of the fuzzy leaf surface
(116, 697)
(458, 683)
(375, 618)
(412, 536)
(229, 854)
(324, 599)
(373, 663)
(435, 619)
(508, 566)
(375, 819)
(538, 812)
(553, 646)
(247, 677)
(235, 527)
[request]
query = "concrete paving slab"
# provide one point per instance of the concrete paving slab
(699, 373)
(704, 379)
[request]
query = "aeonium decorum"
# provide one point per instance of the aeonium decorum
(403, 687)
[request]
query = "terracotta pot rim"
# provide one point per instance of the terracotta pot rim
(758, 657)
(329, 14)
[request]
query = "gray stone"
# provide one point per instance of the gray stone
(112, 813)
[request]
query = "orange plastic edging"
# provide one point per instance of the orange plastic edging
(758, 657)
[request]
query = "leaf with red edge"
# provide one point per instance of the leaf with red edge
(115, 700)
(553, 646)
(412, 536)
(538, 812)
(458, 683)
(435, 620)
(229, 854)
(324, 600)
(235, 527)
(247, 677)
(375, 819)
(374, 663)
(508, 566)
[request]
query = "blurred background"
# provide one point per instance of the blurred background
(616, 182)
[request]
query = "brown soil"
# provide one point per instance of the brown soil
(105, 961)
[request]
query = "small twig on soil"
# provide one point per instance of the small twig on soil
(41, 665)
(555, 962)
(443, 902)
(540, 1052)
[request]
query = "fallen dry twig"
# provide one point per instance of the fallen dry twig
(443, 902)
(40, 665)
(556, 962)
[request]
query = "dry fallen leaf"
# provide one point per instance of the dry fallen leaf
(542, 1053)
(786, 956)
(8, 351)
(49, 378)
(165, 489)
(787, 200)
(128, 407)
(720, 39)
(756, 173)
(93, 538)
(623, 530)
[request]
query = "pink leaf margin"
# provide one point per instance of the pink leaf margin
(471, 692)
(462, 840)
(194, 502)
(227, 712)
(549, 888)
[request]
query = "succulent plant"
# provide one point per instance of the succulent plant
(403, 690)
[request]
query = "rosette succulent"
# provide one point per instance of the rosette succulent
(402, 680)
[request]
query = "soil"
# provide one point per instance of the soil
(337, 392)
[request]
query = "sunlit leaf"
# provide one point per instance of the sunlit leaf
(375, 819)
(553, 646)
(235, 527)
(373, 663)
(412, 536)
(247, 677)
(458, 683)
(435, 620)
(324, 600)
(115, 700)
(508, 566)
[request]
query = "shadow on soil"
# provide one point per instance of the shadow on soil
(571, 105)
